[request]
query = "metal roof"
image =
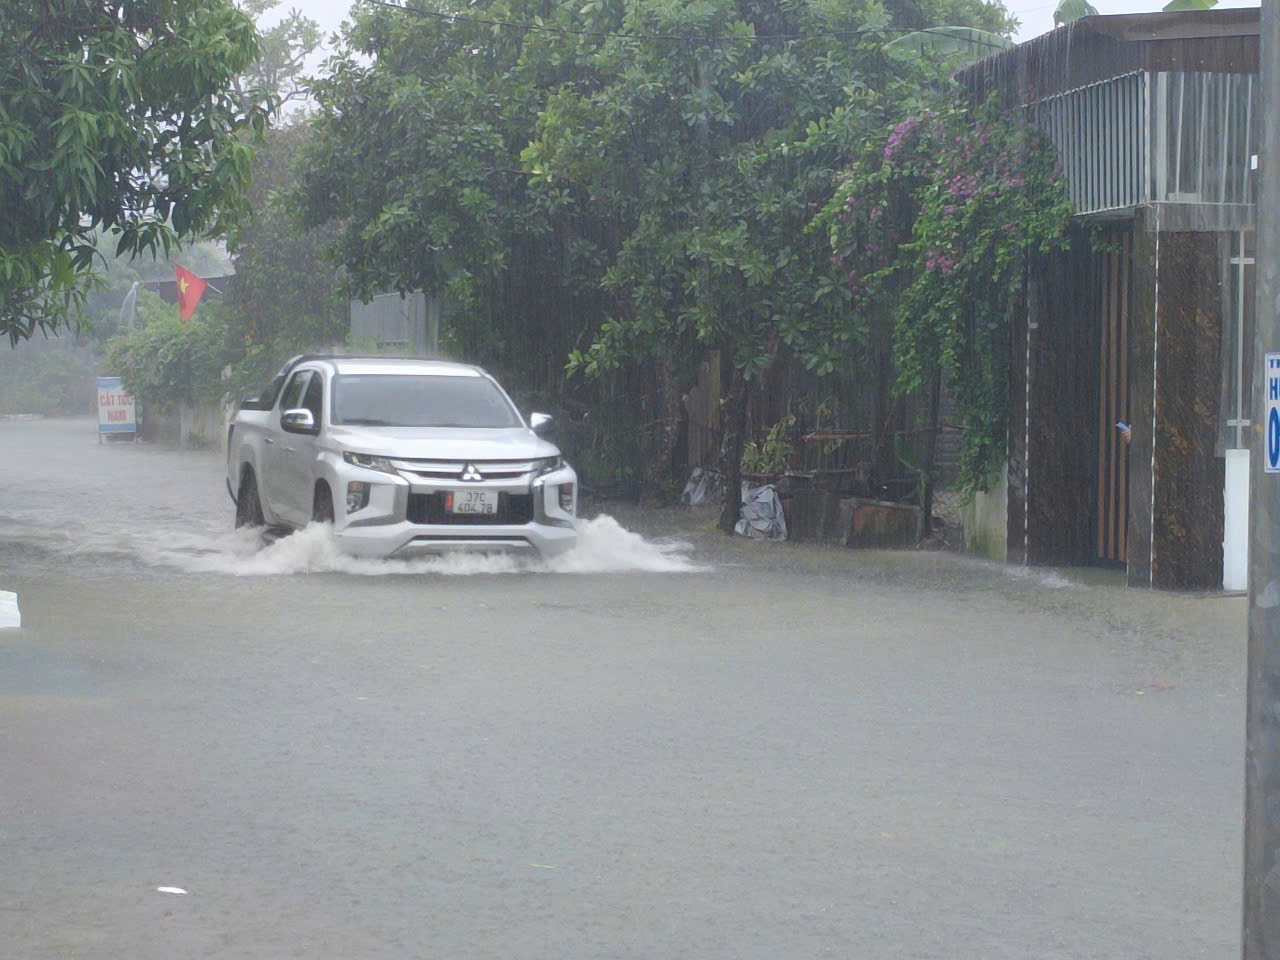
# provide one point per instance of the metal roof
(1182, 25)
(1098, 48)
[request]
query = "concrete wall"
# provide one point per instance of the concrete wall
(986, 521)
(201, 427)
(1235, 524)
(411, 323)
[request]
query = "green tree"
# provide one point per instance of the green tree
(1069, 11)
(286, 47)
(714, 130)
(415, 164)
(166, 363)
(626, 185)
(282, 297)
(115, 115)
(285, 298)
(694, 147)
(414, 168)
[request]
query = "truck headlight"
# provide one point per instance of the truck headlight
(369, 462)
(566, 497)
(549, 465)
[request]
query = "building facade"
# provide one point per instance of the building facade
(1147, 319)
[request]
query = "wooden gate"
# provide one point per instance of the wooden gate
(1115, 274)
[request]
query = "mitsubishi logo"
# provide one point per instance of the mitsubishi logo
(469, 472)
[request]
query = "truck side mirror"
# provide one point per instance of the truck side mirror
(298, 421)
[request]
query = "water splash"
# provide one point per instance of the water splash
(604, 546)
(1049, 579)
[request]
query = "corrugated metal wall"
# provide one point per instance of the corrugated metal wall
(1203, 131)
(1098, 131)
(410, 323)
(1155, 138)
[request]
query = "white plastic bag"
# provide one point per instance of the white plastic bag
(762, 517)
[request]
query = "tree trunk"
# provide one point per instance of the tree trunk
(735, 425)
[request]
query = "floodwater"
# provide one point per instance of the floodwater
(122, 505)
(668, 744)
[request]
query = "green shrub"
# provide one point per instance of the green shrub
(770, 457)
(165, 362)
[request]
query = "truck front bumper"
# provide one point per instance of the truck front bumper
(415, 539)
(403, 517)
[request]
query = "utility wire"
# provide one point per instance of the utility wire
(720, 38)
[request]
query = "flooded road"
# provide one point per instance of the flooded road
(674, 745)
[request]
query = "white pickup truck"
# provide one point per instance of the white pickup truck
(401, 457)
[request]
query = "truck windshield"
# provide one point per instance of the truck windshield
(392, 400)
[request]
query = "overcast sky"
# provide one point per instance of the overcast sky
(1036, 16)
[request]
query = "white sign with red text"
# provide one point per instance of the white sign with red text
(116, 412)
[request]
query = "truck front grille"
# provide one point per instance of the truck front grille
(513, 509)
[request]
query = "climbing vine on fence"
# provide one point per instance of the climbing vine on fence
(932, 226)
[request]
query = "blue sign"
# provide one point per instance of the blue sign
(1271, 371)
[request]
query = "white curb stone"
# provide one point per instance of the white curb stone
(10, 616)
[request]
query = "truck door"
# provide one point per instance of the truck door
(278, 455)
(300, 452)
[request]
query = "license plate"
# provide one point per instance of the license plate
(471, 501)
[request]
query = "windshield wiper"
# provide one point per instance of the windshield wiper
(366, 422)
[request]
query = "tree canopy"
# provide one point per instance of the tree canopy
(626, 185)
(115, 115)
(285, 297)
(285, 49)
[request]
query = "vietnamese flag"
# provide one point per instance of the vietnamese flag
(190, 290)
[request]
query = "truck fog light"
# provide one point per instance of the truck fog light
(357, 495)
(566, 497)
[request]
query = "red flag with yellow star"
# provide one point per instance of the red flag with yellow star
(190, 290)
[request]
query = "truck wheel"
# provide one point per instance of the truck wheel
(322, 506)
(248, 506)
